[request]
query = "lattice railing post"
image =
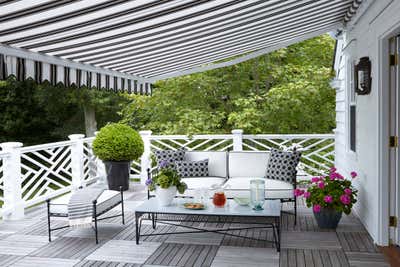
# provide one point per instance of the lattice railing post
(145, 159)
(237, 139)
(100, 171)
(77, 160)
(13, 205)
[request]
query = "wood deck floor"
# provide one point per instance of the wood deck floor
(24, 243)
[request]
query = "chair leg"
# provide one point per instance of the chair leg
(122, 205)
(295, 210)
(48, 219)
(95, 221)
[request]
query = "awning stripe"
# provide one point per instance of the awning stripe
(192, 62)
(223, 41)
(243, 47)
(156, 33)
(252, 26)
(99, 30)
(125, 45)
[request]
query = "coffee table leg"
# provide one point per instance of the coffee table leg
(278, 228)
(153, 220)
(137, 217)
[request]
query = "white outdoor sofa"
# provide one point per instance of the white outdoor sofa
(235, 169)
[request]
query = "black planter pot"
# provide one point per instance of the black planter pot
(118, 174)
(328, 218)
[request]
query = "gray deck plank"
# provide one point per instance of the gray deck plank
(25, 242)
(309, 258)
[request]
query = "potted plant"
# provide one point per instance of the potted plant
(117, 145)
(165, 184)
(329, 196)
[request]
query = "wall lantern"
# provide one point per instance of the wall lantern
(363, 76)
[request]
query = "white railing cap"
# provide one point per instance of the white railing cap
(145, 132)
(237, 131)
(10, 145)
(76, 136)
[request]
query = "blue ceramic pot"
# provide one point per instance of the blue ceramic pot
(328, 218)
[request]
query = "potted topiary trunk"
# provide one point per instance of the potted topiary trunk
(117, 145)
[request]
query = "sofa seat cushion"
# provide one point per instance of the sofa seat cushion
(194, 183)
(274, 189)
(106, 200)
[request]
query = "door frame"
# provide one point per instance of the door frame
(394, 157)
(383, 84)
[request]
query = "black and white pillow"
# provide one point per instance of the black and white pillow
(282, 165)
(169, 157)
(192, 168)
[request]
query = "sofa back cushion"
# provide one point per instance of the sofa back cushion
(248, 164)
(217, 161)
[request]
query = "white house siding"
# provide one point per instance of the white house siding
(373, 22)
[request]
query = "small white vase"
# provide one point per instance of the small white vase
(165, 196)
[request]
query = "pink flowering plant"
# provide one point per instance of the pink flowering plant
(331, 191)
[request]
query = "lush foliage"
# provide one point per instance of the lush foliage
(35, 114)
(165, 178)
(331, 191)
(118, 142)
(286, 91)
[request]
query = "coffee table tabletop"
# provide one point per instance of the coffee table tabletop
(272, 208)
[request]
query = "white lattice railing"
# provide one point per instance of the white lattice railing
(317, 149)
(30, 175)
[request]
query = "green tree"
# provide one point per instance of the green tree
(286, 91)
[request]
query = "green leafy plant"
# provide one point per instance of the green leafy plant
(118, 142)
(165, 178)
(331, 191)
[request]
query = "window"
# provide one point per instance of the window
(352, 110)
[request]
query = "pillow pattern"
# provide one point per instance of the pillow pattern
(169, 157)
(192, 168)
(282, 165)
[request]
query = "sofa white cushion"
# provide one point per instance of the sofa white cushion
(248, 164)
(107, 199)
(217, 161)
(194, 183)
(240, 187)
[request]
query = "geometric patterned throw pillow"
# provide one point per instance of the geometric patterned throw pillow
(282, 165)
(169, 157)
(192, 168)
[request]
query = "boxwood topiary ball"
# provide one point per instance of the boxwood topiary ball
(118, 142)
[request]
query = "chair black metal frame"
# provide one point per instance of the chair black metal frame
(95, 215)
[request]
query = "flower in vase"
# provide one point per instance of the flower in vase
(321, 185)
(345, 199)
(328, 199)
(315, 179)
(317, 208)
(298, 192)
(307, 194)
(348, 191)
(149, 182)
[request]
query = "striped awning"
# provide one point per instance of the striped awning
(126, 45)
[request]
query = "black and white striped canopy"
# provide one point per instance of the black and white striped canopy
(126, 45)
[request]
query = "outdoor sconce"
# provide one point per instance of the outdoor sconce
(363, 76)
